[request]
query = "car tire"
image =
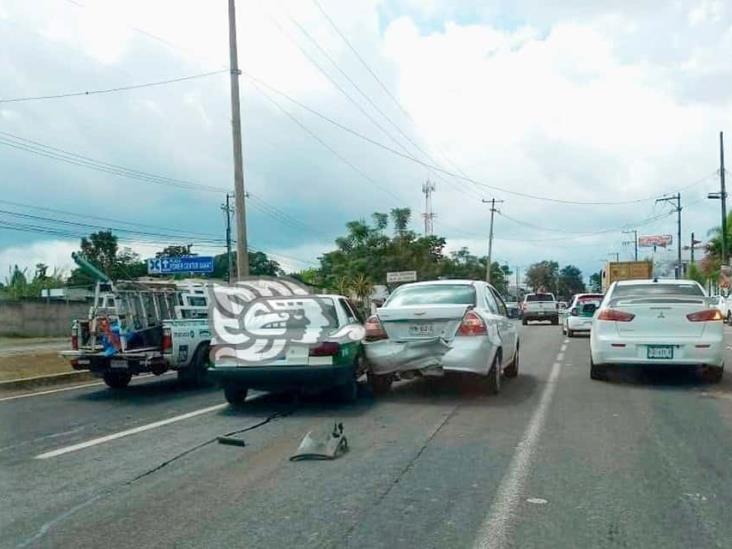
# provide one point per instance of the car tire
(235, 394)
(512, 369)
(570, 333)
(598, 371)
(555, 321)
(379, 384)
(713, 374)
(195, 374)
(524, 321)
(493, 379)
(728, 320)
(117, 380)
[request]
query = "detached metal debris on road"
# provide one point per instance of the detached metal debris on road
(328, 443)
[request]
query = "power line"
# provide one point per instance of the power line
(113, 90)
(76, 159)
(434, 167)
(324, 144)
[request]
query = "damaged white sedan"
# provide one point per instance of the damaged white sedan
(438, 327)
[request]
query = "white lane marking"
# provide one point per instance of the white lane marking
(494, 531)
(560, 356)
(128, 432)
(563, 347)
(566, 341)
(539, 501)
(39, 393)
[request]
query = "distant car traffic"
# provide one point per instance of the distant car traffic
(328, 365)
(578, 316)
(540, 306)
(445, 326)
(657, 322)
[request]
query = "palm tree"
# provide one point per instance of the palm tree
(362, 287)
(342, 286)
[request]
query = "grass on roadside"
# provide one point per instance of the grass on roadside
(32, 364)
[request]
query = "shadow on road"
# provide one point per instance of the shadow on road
(461, 390)
(150, 392)
(661, 377)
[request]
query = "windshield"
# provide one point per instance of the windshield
(539, 297)
(437, 294)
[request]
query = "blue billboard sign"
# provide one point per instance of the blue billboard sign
(183, 264)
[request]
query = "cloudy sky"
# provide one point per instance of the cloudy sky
(612, 103)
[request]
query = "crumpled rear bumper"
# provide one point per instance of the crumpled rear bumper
(431, 356)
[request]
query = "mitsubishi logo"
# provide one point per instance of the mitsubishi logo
(660, 315)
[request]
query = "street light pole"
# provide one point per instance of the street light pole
(242, 252)
(634, 232)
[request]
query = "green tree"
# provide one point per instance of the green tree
(175, 251)
(102, 250)
(695, 273)
(596, 282)
(259, 265)
(570, 281)
(543, 276)
(17, 284)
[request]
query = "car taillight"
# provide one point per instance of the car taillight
(374, 329)
(705, 315)
(472, 325)
(327, 348)
(75, 342)
(614, 314)
(167, 339)
(573, 312)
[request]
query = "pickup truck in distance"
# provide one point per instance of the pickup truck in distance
(539, 307)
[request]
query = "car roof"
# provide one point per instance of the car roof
(454, 281)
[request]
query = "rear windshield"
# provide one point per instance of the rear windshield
(540, 297)
(437, 294)
(644, 290)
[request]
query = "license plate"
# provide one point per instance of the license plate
(662, 352)
(420, 330)
(118, 364)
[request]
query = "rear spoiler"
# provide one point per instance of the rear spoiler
(660, 299)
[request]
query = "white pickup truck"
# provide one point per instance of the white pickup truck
(140, 327)
(539, 306)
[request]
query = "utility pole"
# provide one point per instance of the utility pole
(722, 197)
(518, 269)
(242, 252)
(691, 248)
(227, 210)
(492, 202)
(634, 232)
(676, 198)
(428, 188)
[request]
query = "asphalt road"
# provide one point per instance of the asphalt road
(555, 460)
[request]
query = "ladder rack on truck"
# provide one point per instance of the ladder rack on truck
(129, 328)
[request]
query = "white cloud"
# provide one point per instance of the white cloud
(55, 253)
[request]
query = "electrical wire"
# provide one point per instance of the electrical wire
(113, 90)
(387, 148)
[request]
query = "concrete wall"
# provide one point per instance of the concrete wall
(38, 318)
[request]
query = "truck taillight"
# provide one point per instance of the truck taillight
(327, 348)
(472, 325)
(167, 339)
(374, 330)
(75, 342)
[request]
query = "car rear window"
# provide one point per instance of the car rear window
(649, 290)
(540, 297)
(436, 294)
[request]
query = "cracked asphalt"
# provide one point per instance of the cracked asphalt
(555, 460)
